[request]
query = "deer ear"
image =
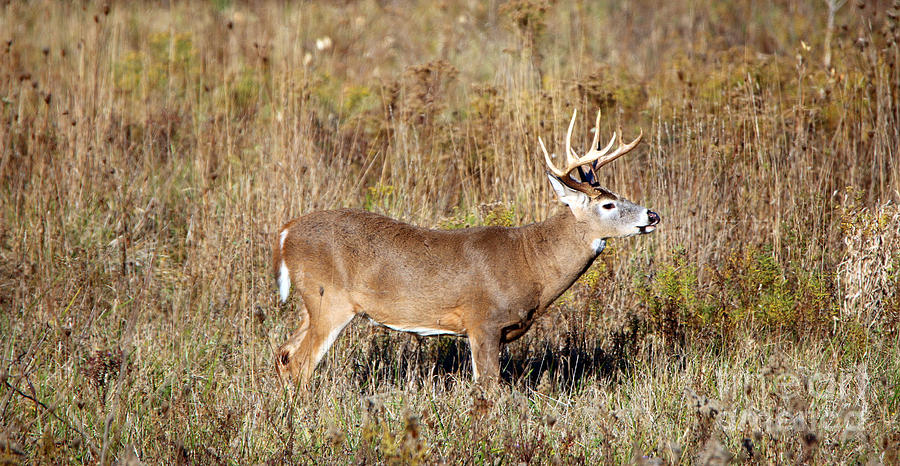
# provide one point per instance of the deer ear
(567, 195)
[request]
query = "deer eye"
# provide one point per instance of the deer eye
(609, 206)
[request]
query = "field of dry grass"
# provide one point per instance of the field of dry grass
(148, 152)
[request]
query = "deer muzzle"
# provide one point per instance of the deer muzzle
(653, 218)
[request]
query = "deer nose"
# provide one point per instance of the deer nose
(653, 217)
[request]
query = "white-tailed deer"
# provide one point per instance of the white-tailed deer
(487, 283)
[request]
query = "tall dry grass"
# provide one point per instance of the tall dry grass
(150, 150)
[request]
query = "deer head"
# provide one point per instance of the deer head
(604, 213)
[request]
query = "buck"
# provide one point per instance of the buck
(488, 284)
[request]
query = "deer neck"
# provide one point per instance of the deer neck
(559, 250)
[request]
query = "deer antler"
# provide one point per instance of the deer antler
(594, 158)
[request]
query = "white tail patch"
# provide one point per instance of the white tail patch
(284, 281)
(284, 275)
(283, 236)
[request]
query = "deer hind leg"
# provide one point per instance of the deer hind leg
(326, 317)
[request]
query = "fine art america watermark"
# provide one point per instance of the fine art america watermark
(823, 402)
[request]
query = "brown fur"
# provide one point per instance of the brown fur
(486, 283)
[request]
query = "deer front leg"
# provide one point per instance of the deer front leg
(485, 345)
(325, 319)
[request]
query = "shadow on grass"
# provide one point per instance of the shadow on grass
(567, 363)
(576, 358)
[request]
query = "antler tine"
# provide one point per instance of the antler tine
(596, 132)
(606, 149)
(620, 151)
(593, 153)
(571, 156)
(556, 171)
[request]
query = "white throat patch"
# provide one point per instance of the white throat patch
(598, 245)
